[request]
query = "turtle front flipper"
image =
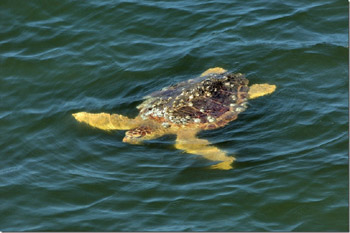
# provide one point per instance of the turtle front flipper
(186, 140)
(105, 121)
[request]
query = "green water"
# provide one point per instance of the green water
(60, 57)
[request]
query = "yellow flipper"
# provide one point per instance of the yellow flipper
(258, 90)
(215, 70)
(186, 140)
(105, 121)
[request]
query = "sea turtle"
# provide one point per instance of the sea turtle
(209, 101)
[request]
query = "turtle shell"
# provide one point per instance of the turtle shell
(207, 102)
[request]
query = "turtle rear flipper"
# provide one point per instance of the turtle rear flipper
(186, 140)
(258, 90)
(215, 70)
(105, 121)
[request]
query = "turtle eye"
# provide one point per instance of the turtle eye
(136, 134)
(133, 134)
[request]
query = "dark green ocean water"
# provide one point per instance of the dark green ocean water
(60, 57)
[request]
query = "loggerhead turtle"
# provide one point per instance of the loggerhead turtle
(209, 101)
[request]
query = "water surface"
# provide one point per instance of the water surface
(60, 57)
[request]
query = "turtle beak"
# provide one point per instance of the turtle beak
(132, 140)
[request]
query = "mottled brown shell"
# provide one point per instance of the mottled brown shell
(207, 102)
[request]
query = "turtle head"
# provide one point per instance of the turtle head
(138, 135)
